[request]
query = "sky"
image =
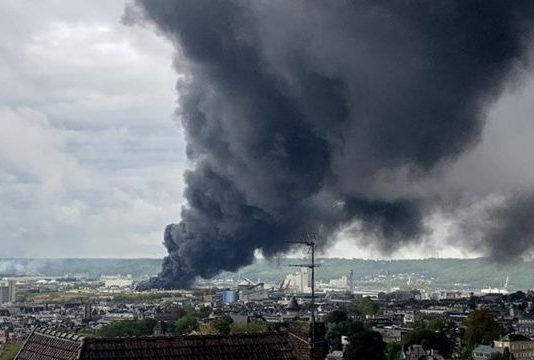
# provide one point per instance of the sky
(91, 155)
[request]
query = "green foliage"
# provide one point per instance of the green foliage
(481, 328)
(467, 354)
(10, 351)
(185, 325)
(179, 312)
(365, 345)
(364, 306)
(335, 316)
(393, 350)
(204, 312)
(343, 328)
(207, 329)
(517, 296)
(253, 327)
(222, 324)
(128, 328)
(429, 340)
(436, 325)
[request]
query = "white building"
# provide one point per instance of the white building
(341, 283)
(117, 281)
(300, 281)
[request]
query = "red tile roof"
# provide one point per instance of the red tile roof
(44, 345)
(50, 345)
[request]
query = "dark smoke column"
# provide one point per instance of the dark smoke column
(301, 115)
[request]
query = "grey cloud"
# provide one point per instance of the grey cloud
(509, 227)
(92, 153)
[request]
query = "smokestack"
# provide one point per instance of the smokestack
(300, 116)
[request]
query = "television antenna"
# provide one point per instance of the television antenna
(309, 240)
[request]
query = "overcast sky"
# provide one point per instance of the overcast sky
(91, 156)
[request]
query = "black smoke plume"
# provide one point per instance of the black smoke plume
(301, 115)
(510, 227)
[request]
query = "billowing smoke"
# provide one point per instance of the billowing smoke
(301, 116)
(510, 227)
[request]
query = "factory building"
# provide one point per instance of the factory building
(300, 281)
(117, 281)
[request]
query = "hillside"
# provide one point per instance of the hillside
(465, 273)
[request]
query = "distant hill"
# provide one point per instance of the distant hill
(138, 268)
(441, 273)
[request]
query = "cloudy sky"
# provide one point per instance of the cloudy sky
(91, 157)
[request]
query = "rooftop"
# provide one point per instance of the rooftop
(52, 345)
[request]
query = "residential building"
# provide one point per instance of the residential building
(483, 352)
(521, 347)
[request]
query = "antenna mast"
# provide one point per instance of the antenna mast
(309, 241)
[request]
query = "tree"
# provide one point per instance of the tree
(253, 327)
(505, 355)
(481, 328)
(393, 350)
(185, 325)
(126, 328)
(436, 325)
(335, 316)
(429, 340)
(367, 306)
(204, 312)
(207, 329)
(365, 345)
(10, 350)
(517, 296)
(222, 324)
(343, 328)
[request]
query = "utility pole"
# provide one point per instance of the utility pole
(309, 241)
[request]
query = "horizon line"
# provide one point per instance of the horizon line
(272, 260)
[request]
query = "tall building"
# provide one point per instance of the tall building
(4, 294)
(300, 281)
(12, 290)
(88, 311)
(8, 292)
